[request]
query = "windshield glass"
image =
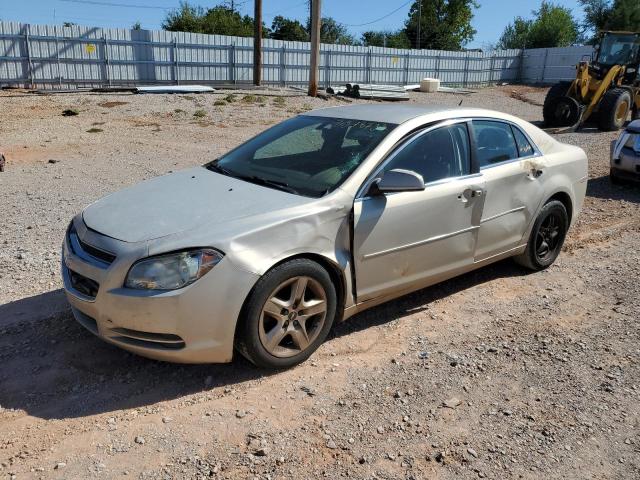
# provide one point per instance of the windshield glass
(618, 49)
(305, 155)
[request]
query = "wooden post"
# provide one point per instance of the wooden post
(257, 42)
(315, 47)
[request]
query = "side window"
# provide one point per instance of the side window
(495, 142)
(441, 153)
(524, 147)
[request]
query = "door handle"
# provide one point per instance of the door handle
(470, 193)
(536, 173)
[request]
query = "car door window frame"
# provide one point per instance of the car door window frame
(513, 126)
(410, 138)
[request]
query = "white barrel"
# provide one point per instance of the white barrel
(429, 85)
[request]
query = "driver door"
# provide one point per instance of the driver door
(406, 240)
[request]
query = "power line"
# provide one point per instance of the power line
(377, 19)
(124, 5)
(286, 9)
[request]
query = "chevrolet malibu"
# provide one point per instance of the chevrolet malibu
(315, 219)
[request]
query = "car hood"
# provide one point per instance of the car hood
(180, 202)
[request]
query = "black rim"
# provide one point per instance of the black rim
(549, 236)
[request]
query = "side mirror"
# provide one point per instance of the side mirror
(398, 180)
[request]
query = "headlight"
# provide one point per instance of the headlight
(633, 142)
(172, 271)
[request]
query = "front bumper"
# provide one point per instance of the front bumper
(195, 324)
(626, 165)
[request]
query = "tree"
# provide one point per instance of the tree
(607, 15)
(444, 24)
(389, 39)
(219, 20)
(515, 34)
(136, 26)
(286, 29)
(553, 26)
(333, 32)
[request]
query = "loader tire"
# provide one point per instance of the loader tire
(614, 109)
(558, 90)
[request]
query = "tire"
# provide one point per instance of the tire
(532, 258)
(556, 91)
(610, 116)
(271, 333)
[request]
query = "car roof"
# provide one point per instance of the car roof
(398, 113)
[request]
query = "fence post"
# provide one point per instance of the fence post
(521, 72)
(492, 66)
(466, 69)
(368, 66)
(232, 63)
(327, 69)
(283, 65)
(544, 65)
(438, 65)
(55, 29)
(407, 58)
(106, 60)
(29, 63)
(176, 74)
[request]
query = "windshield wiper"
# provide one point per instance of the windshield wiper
(268, 183)
(214, 167)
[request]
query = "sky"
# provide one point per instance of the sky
(489, 20)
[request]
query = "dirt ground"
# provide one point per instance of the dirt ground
(496, 374)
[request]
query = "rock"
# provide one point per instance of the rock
(472, 452)
(139, 440)
(280, 460)
(332, 445)
(380, 429)
(166, 419)
(440, 457)
(60, 465)
(52, 160)
(452, 402)
(241, 414)
(262, 452)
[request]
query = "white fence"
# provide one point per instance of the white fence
(66, 57)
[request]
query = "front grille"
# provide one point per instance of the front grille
(106, 257)
(84, 285)
(84, 250)
(158, 341)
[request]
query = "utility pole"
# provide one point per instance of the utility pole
(257, 42)
(419, 22)
(315, 47)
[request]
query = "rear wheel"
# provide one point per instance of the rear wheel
(557, 91)
(288, 315)
(614, 109)
(547, 237)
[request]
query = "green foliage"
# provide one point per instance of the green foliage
(553, 26)
(219, 103)
(611, 15)
(219, 20)
(287, 29)
(444, 24)
(230, 98)
(279, 101)
(333, 32)
(199, 114)
(136, 26)
(389, 39)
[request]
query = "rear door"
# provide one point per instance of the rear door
(405, 239)
(506, 157)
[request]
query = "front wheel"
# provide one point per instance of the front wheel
(288, 315)
(547, 237)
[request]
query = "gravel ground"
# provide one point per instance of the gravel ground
(496, 374)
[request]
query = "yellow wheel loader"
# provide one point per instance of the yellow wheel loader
(605, 90)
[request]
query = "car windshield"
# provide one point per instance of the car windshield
(618, 49)
(305, 155)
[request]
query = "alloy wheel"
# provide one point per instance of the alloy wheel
(293, 316)
(548, 237)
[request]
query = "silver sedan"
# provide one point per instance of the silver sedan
(312, 221)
